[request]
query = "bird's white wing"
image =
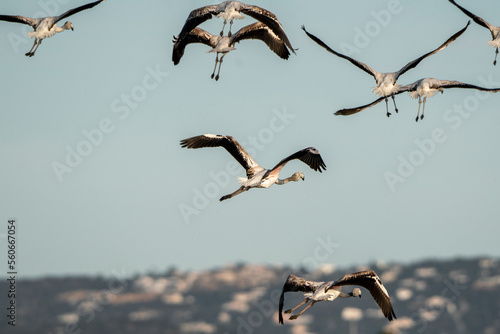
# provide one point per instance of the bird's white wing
(356, 63)
(77, 10)
(196, 35)
(262, 32)
(230, 144)
(310, 156)
(269, 19)
(295, 284)
(370, 281)
(415, 62)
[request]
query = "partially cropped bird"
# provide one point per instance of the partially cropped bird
(427, 87)
(46, 27)
(230, 10)
(386, 82)
(494, 30)
(328, 291)
(225, 44)
(257, 176)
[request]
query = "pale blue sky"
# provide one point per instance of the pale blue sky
(120, 208)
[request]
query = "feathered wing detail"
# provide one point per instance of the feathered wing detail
(196, 35)
(370, 281)
(20, 19)
(309, 156)
(436, 85)
(268, 19)
(230, 144)
(410, 87)
(352, 111)
(77, 10)
(359, 64)
(415, 62)
(295, 284)
(262, 32)
(475, 18)
(197, 17)
(458, 84)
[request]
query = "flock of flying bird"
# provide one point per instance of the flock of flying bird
(269, 30)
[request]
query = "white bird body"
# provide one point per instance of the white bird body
(257, 180)
(264, 178)
(427, 87)
(386, 82)
(322, 294)
(46, 27)
(223, 44)
(230, 10)
(257, 176)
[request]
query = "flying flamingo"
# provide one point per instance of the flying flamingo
(225, 44)
(46, 27)
(329, 291)
(427, 87)
(386, 82)
(257, 176)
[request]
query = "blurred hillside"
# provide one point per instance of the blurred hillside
(452, 296)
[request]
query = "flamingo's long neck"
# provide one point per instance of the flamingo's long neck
(285, 181)
(346, 295)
